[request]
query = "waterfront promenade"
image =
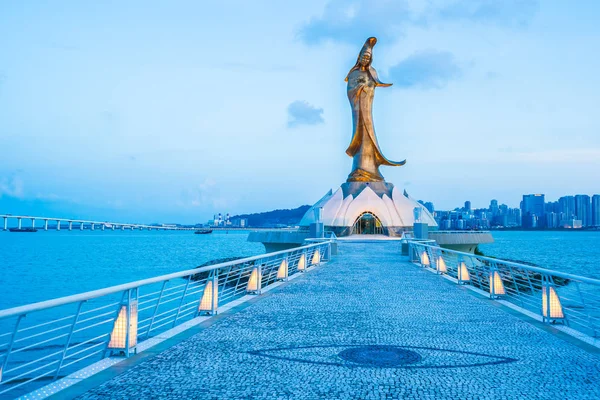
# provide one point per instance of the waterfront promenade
(367, 325)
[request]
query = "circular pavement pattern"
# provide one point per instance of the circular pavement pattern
(380, 356)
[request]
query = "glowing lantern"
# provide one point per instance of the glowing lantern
(424, 259)
(551, 310)
(119, 338)
(441, 265)
(316, 259)
(210, 297)
(463, 273)
(496, 285)
(282, 272)
(254, 283)
(302, 263)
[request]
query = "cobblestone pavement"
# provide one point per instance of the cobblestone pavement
(400, 332)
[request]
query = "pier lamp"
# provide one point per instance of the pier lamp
(254, 283)
(424, 259)
(282, 272)
(496, 285)
(302, 263)
(440, 265)
(316, 258)
(463, 273)
(124, 334)
(551, 306)
(210, 297)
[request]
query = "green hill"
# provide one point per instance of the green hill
(275, 218)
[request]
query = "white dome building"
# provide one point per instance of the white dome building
(368, 208)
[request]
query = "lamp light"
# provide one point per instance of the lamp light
(282, 272)
(254, 283)
(122, 338)
(496, 285)
(210, 298)
(302, 263)
(441, 265)
(551, 306)
(424, 259)
(316, 259)
(463, 273)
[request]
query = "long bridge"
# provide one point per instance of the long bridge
(81, 224)
(367, 322)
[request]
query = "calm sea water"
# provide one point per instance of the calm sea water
(575, 252)
(44, 265)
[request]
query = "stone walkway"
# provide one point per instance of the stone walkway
(366, 326)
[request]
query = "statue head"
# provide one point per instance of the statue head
(364, 60)
(365, 57)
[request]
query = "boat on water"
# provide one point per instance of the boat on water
(22, 229)
(203, 231)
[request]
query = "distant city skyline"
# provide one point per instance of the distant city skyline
(200, 108)
(569, 211)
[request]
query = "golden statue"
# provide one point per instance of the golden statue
(362, 81)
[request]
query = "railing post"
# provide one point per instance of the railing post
(124, 334)
(215, 293)
(11, 343)
(58, 224)
(5, 223)
(440, 264)
(283, 270)
(552, 309)
(68, 342)
(254, 284)
(495, 282)
(119, 307)
(128, 333)
(462, 271)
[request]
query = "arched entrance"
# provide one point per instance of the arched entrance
(367, 224)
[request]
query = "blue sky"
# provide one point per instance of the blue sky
(148, 111)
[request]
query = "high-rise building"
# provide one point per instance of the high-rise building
(494, 207)
(503, 209)
(596, 210)
(583, 209)
(566, 206)
(533, 207)
(429, 206)
(552, 220)
(467, 206)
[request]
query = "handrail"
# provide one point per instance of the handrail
(125, 315)
(41, 305)
(550, 295)
(519, 265)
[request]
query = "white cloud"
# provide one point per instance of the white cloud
(12, 186)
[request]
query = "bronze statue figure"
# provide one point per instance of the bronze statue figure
(362, 81)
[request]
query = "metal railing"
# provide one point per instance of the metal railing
(554, 296)
(45, 341)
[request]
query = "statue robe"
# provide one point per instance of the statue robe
(367, 156)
